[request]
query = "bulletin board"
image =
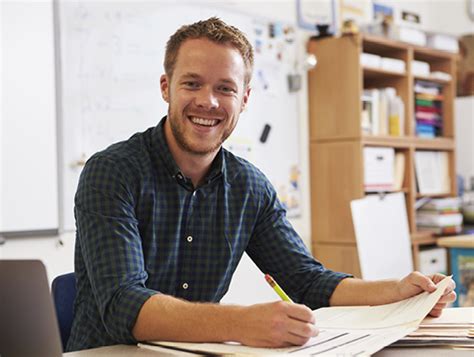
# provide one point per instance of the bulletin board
(111, 59)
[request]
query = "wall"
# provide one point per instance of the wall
(464, 109)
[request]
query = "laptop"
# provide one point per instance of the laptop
(28, 324)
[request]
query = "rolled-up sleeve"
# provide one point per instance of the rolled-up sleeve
(277, 249)
(111, 246)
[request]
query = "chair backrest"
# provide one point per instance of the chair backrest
(64, 294)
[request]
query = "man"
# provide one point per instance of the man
(164, 218)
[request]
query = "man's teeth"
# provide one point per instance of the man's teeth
(202, 121)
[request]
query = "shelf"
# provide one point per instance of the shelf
(432, 55)
(338, 141)
(431, 79)
(422, 238)
(373, 73)
(446, 144)
(434, 195)
(374, 43)
(403, 190)
(390, 141)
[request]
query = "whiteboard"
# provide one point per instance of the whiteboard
(28, 164)
(382, 235)
(111, 60)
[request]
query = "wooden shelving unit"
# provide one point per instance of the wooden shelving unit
(337, 140)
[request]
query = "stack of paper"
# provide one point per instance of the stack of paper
(343, 330)
(451, 329)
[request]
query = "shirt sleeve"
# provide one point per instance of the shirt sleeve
(111, 246)
(277, 249)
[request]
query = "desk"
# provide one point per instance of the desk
(461, 256)
(134, 351)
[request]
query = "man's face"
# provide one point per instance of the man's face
(206, 95)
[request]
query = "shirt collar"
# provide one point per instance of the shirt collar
(160, 147)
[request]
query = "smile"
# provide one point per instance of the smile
(203, 121)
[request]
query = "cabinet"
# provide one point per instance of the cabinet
(337, 138)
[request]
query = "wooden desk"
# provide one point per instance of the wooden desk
(134, 351)
(461, 261)
(464, 241)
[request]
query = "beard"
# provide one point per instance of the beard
(178, 129)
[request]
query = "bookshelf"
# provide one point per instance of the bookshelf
(337, 137)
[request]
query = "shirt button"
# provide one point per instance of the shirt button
(189, 239)
(179, 176)
(194, 193)
(185, 286)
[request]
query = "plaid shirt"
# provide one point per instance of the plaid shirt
(142, 228)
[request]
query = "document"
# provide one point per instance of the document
(328, 342)
(408, 312)
(350, 331)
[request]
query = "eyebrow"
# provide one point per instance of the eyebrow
(197, 76)
(191, 75)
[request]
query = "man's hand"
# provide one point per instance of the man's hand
(415, 283)
(276, 324)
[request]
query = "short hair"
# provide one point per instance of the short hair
(215, 30)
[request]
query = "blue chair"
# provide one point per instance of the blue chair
(64, 294)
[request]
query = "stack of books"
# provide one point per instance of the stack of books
(441, 216)
(428, 109)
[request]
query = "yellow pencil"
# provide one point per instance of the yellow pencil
(277, 288)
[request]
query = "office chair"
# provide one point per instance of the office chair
(64, 294)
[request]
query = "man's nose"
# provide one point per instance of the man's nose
(207, 99)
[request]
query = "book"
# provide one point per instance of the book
(435, 219)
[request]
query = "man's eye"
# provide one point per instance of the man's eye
(191, 84)
(227, 89)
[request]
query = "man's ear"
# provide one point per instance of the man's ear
(245, 99)
(164, 86)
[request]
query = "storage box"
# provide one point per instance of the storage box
(370, 60)
(420, 68)
(378, 169)
(433, 260)
(392, 64)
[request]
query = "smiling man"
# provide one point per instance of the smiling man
(164, 218)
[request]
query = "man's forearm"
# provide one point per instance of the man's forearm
(163, 317)
(352, 291)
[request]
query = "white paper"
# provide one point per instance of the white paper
(408, 312)
(383, 237)
(343, 331)
(328, 342)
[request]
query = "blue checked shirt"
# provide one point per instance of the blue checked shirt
(142, 228)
